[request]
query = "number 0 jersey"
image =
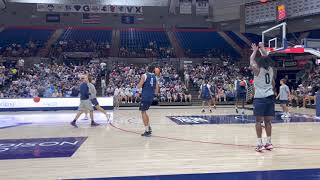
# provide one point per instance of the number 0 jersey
(263, 83)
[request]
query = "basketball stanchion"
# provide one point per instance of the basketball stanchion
(318, 104)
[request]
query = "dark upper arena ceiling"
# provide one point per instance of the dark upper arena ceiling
(104, 2)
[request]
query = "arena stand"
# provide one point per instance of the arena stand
(84, 40)
(204, 43)
(141, 43)
(47, 80)
(23, 41)
(124, 78)
(136, 42)
(221, 76)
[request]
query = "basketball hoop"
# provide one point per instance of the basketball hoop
(269, 49)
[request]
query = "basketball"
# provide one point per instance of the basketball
(36, 99)
(242, 83)
(157, 71)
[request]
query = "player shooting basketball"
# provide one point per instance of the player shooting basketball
(264, 96)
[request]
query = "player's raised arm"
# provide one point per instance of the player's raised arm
(262, 49)
(253, 63)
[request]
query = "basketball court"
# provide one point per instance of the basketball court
(185, 144)
(185, 141)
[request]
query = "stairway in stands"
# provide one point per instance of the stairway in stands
(195, 95)
(98, 86)
(232, 43)
(115, 42)
(55, 36)
(178, 51)
(243, 38)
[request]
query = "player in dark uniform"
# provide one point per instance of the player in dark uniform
(150, 87)
(241, 93)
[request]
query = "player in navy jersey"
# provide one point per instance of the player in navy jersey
(150, 87)
(206, 95)
(240, 86)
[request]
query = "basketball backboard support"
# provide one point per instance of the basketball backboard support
(274, 38)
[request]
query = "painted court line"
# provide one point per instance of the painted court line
(213, 143)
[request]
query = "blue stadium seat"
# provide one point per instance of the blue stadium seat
(254, 38)
(23, 35)
(314, 34)
(201, 42)
(83, 35)
(137, 40)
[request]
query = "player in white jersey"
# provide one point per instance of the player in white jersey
(264, 100)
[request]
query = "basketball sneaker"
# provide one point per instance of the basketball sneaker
(268, 146)
(73, 123)
(237, 111)
(108, 117)
(146, 134)
(150, 130)
(242, 112)
(260, 148)
(210, 111)
(203, 111)
(94, 124)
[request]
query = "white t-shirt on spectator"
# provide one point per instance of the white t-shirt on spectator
(103, 83)
(21, 63)
(116, 92)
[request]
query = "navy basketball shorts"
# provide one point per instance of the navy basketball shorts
(241, 96)
(95, 102)
(206, 98)
(145, 105)
(264, 106)
(284, 102)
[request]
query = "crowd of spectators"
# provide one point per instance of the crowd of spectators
(102, 49)
(20, 50)
(46, 80)
(152, 50)
(124, 78)
(220, 76)
(305, 93)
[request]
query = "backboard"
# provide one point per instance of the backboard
(274, 38)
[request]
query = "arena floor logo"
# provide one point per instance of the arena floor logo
(39, 147)
(238, 119)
